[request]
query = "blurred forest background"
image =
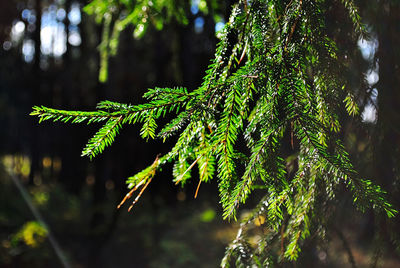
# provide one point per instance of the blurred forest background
(59, 209)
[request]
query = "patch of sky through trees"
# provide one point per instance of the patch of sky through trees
(368, 49)
(53, 33)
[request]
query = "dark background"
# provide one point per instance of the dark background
(77, 198)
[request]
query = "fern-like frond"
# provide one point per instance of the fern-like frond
(64, 116)
(103, 138)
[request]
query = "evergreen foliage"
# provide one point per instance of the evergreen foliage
(275, 79)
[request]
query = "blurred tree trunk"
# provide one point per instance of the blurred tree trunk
(35, 92)
(66, 22)
(387, 143)
(388, 93)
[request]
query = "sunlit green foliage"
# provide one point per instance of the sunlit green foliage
(115, 16)
(274, 75)
(32, 234)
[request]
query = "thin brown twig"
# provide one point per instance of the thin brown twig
(201, 177)
(197, 189)
(129, 195)
(148, 178)
(140, 194)
(243, 54)
(189, 168)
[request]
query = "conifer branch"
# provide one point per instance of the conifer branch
(275, 73)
